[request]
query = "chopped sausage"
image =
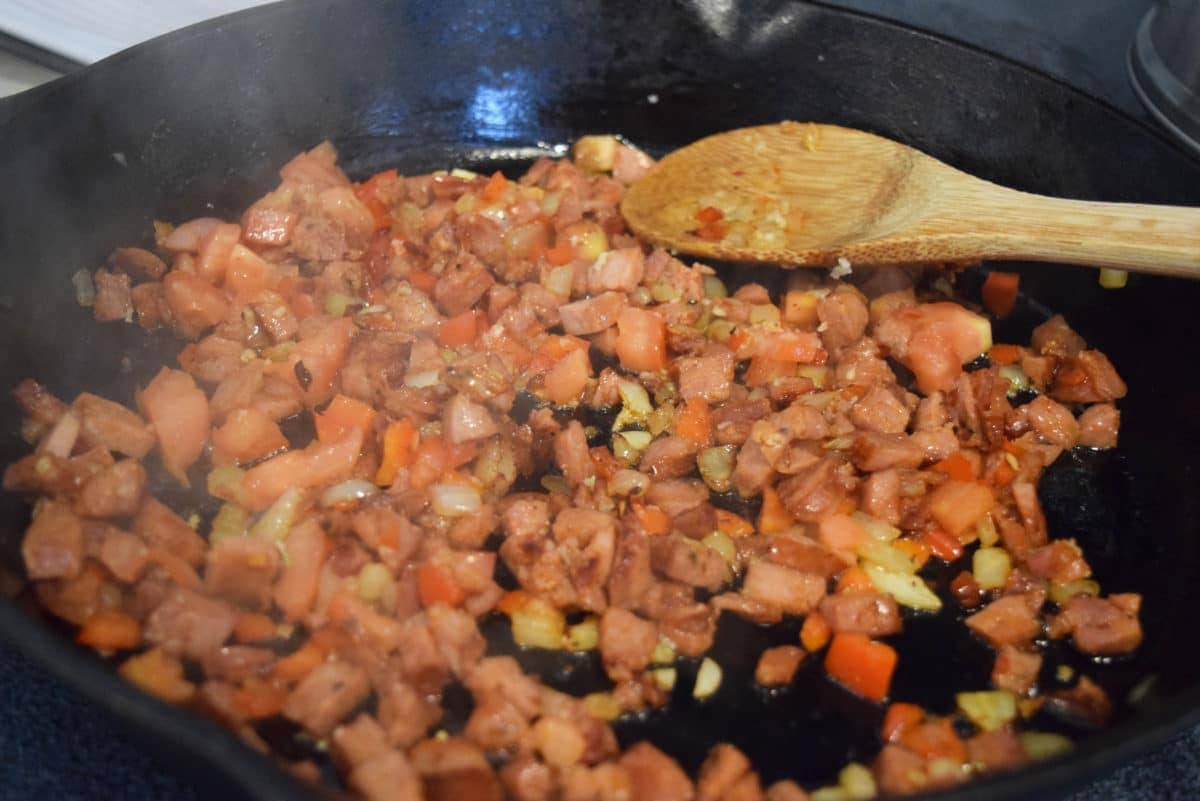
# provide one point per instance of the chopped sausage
(1060, 561)
(817, 491)
(113, 426)
(708, 377)
(687, 561)
(751, 471)
(189, 624)
(454, 769)
(1098, 426)
(1088, 378)
(571, 454)
(880, 410)
(669, 457)
(777, 666)
(724, 766)
(326, 695)
(626, 642)
(995, 750)
(466, 421)
(654, 776)
(358, 741)
(790, 590)
(1016, 670)
(1104, 626)
(115, 491)
(114, 298)
(243, 569)
(1011, 620)
(1053, 421)
(162, 528)
(873, 614)
(1055, 338)
(619, 270)
(53, 546)
(137, 263)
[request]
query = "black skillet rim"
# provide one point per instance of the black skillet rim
(146, 717)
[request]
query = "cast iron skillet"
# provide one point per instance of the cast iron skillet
(206, 115)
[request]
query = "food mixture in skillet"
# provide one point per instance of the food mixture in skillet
(425, 402)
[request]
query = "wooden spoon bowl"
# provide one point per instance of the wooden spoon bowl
(807, 194)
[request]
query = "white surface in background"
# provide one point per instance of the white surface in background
(89, 30)
(17, 75)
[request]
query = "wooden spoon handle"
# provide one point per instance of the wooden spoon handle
(1164, 240)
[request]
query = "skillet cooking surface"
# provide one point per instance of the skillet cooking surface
(210, 113)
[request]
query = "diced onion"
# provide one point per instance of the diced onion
(1061, 593)
(665, 678)
(989, 709)
(708, 679)
(60, 441)
(229, 521)
(584, 636)
(857, 781)
(947, 769)
(555, 484)
(276, 522)
(1017, 379)
(818, 375)
(908, 590)
(887, 556)
(716, 466)
(347, 493)
(454, 500)
(560, 280)
(602, 706)
(591, 243)
(634, 398)
(986, 530)
(422, 379)
(991, 567)
(665, 292)
(275, 353)
(466, 175)
(85, 288)
(714, 287)
(664, 652)
(765, 314)
(722, 544)
(623, 451)
(662, 418)
(374, 580)
(537, 624)
(628, 445)
(1043, 744)
(1113, 279)
(834, 792)
(225, 482)
(876, 529)
(465, 203)
(819, 400)
(628, 482)
(720, 330)
(595, 153)
(337, 303)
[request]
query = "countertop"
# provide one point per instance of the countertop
(54, 745)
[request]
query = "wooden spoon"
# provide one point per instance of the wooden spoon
(804, 194)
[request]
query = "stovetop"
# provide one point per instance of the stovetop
(53, 744)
